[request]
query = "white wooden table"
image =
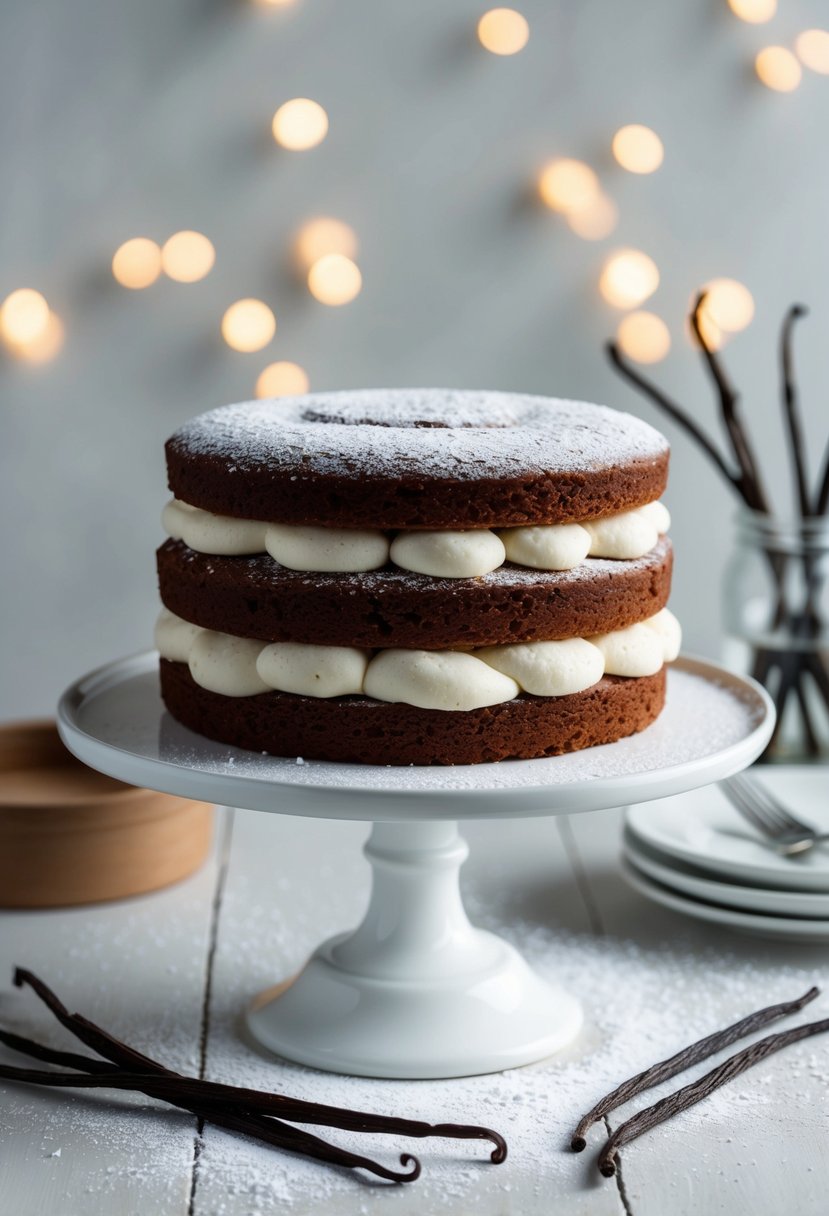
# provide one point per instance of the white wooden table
(170, 972)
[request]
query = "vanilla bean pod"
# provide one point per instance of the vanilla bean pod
(674, 411)
(783, 668)
(794, 429)
(750, 480)
(167, 1084)
(695, 1053)
(797, 450)
(697, 1091)
(822, 499)
(185, 1096)
(270, 1131)
(229, 1096)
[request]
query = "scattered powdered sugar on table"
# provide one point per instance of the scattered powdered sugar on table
(465, 435)
(642, 1005)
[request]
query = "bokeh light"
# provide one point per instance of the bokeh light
(137, 263)
(187, 257)
(282, 379)
(629, 277)
(568, 185)
(300, 124)
(334, 279)
(248, 325)
(504, 31)
(729, 305)
(638, 149)
(24, 317)
(274, 3)
(813, 48)
(595, 222)
(778, 69)
(47, 343)
(644, 337)
(753, 11)
(321, 236)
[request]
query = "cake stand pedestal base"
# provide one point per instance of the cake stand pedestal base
(415, 991)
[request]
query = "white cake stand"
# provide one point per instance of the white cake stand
(416, 991)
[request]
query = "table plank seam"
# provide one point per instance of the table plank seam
(624, 1198)
(597, 928)
(210, 958)
(582, 881)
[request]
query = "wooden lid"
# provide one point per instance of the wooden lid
(71, 835)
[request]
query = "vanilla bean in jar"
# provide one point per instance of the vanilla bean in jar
(776, 624)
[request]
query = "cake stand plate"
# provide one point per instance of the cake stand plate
(416, 991)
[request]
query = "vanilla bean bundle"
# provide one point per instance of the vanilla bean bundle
(789, 671)
(267, 1117)
(689, 1095)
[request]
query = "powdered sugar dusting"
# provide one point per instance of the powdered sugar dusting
(263, 571)
(643, 1001)
(701, 717)
(438, 433)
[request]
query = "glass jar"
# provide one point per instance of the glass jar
(776, 617)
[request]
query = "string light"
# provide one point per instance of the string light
(638, 149)
(282, 380)
(137, 263)
(568, 185)
(47, 343)
(813, 48)
(503, 31)
(778, 69)
(187, 257)
(644, 337)
(753, 11)
(24, 317)
(334, 279)
(322, 236)
(729, 305)
(248, 325)
(300, 124)
(629, 277)
(595, 222)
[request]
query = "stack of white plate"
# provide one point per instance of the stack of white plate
(694, 853)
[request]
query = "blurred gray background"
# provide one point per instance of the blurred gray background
(125, 119)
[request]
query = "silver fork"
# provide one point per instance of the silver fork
(790, 836)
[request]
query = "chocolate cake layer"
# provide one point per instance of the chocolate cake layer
(358, 730)
(257, 598)
(417, 459)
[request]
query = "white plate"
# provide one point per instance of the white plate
(713, 725)
(688, 880)
(791, 928)
(702, 829)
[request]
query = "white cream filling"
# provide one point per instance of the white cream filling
(548, 669)
(326, 550)
(430, 679)
(444, 554)
(218, 535)
(313, 671)
(436, 679)
(448, 554)
(547, 546)
(223, 663)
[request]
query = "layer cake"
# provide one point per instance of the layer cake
(415, 576)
